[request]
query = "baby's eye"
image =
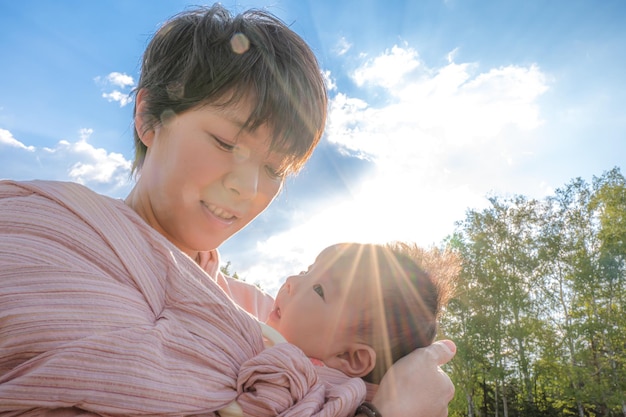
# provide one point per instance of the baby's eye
(319, 290)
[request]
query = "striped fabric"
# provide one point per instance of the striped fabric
(101, 315)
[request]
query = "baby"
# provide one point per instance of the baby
(361, 307)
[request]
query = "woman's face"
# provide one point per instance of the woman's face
(204, 178)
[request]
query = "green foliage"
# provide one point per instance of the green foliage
(225, 269)
(538, 316)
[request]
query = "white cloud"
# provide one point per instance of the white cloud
(451, 55)
(388, 69)
(378, 212)
(122, 98)
(329, 81)
(342, 47)
(120, 79)
(104, 171)
(434, 108)
(440, 142)
(6, 138)
(113, 83)
(95, 165)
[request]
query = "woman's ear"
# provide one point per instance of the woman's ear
(144, 130)
(356, 362)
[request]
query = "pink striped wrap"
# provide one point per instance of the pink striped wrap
(101, 315)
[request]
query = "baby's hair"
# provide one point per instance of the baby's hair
(407, 288)
(207, 56)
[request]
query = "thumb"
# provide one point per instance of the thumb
(442, 351)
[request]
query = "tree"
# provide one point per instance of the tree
(497, 308)
(225, 269)
(609, 204)
(539, 316)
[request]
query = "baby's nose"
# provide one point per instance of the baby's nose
(290, 283)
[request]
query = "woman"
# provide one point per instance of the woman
(104, 308)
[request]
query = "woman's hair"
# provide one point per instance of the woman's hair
(207, 56)
(406, 288)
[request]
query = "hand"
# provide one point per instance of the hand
(415, 386)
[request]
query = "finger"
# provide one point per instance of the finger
(450, 390)
(442, 351)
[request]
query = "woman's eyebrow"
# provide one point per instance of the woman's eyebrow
(234, 115)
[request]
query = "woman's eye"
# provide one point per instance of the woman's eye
(319, 290)
(224, 145)
(273, 173)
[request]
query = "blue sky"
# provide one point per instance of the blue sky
(435, 106)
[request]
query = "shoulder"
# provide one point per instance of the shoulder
(247, 296)
(251, 298)
(60, 191)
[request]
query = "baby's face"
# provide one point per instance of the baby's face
(317, 309)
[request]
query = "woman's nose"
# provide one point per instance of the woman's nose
(243, 179)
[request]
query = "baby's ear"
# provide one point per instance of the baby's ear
(356, 362)
(145, 134)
